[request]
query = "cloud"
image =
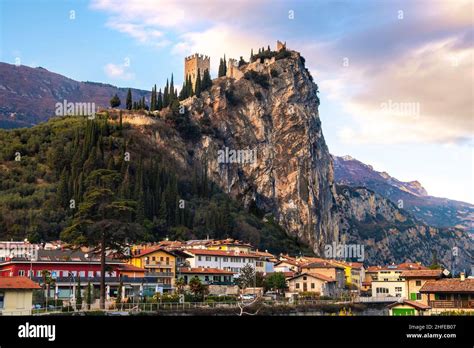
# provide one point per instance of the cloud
(118, 71)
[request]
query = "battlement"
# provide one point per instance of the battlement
(198, 57)
(280, 45)
(193, 64)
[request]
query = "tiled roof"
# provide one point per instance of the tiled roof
(314, 275)
(130, 268)
(203, 270)
(152, 250)
(422, 273)
(18, 283)
(449, 285)
(401, 267)
(229, 253)
(324, 264)
(417, 305)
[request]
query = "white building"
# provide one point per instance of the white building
(227, 260)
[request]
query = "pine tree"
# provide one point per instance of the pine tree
(129, 100)
(251, 54)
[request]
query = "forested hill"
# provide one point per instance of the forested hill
(48, 171)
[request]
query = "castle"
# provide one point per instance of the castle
(193, 63)
(201, 62)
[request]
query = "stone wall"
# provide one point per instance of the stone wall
(193, 63)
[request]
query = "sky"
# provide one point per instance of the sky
(395, 77)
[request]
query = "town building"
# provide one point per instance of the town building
(312, 282)
(415, 279)
(16, 295)
(407, 307)
(386, 281)
(449, 294)
(208, 276)
(329, 270)
(354, 273)
(232, 261)
(157, 262)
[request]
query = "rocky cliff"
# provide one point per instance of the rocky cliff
(273, 112)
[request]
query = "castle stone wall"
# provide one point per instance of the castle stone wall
(193, 63)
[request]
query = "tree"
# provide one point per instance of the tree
(48, 281)
(246, 277)
(166, 97)
(78, 294)
(159, 101)
(180, 284)
(434, 262)
(275, 281)
(89, 295)
(129, 101)
(198, 88)
(115, 101)
(120, 121)
(103, 221)
(206, 80)
(118, 299)
(197, 288)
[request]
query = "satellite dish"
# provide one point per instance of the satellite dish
(446, 272)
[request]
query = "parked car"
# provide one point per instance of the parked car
(247, 297)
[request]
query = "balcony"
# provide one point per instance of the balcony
(152, 264)
(466, 304)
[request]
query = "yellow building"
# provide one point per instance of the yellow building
(353, 272)
(157, 262)
(16, 295)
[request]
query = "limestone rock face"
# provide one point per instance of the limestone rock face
(274, 113)
(271, 113)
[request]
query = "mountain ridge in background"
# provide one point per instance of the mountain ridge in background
(434, 211)
(33, 92)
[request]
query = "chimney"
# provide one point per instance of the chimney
(462, 276)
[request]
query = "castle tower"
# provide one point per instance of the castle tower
(233, 70)
(193, 63)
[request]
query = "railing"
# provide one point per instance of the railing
(376, 299)
(451, 304)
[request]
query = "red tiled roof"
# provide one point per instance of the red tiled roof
(220, 253)
(455, 285)
(203, 270)
(18, 283)
(417, 305)
(401, 267)
(315, 275)
(422, 273)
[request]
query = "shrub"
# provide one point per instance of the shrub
(260, 79)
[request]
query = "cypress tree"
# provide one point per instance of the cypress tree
(189, 87)
(153, 95)
(120, 119)
(225, 65)
(129, 100)
(159, 102)
(198, 83)
(172, 95)
(183, 92)
(166, 98)
(206, 80)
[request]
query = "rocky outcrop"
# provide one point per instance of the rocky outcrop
(272, 113)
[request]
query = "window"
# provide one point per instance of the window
(90, 274)
(38, 273)
(225, 259)
(418, 283)
(21, 273)
(153, 258)
(82, 273)
(199, 258)
(418, 296)
(297, 285)
(2, 299)
(215, 258)
(167, 260)
(206, 278)
(312, 285)
(208, 258)
(398, 289)
(304, 278)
